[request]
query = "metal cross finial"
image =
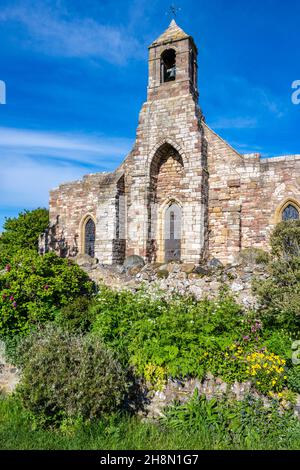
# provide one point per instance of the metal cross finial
(173, 10)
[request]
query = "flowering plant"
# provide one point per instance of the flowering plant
(267, 370)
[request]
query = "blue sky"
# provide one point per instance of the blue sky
(76, 77)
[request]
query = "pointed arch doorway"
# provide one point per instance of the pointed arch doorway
(172, 232)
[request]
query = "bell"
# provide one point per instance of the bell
(172, 72)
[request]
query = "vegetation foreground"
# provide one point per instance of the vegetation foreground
(189, 431)
(87, 353)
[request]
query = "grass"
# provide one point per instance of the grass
(18, 431)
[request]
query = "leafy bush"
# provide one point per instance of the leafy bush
(22, 233)
(254, 256)
(293, 379)
(279, 342)
(155, 376)
(181, 338)
(175, 336)
(69, 376)
(78, 316)
(285, 239)
(11, 347)
(249, 359)
(279, 294)
(34, 287)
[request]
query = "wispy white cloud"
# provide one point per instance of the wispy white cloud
(56, 32)
(26, 182)
(33, 162)
(92, 149)
(234, 123)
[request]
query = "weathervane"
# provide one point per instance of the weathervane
(173, 10)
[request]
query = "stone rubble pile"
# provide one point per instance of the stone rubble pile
(182, 278)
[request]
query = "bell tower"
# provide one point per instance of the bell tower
(167, 170)
(172, 65)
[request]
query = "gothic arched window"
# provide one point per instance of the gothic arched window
(89, 238)
(168, 66)
(290, 213)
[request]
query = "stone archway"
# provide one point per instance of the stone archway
(166, 183)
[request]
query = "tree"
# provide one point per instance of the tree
(22, 233)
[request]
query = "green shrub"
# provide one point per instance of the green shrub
(254, 256)
(181, 338)
(293, 379)
(285, 239)
(69, 376)
(279, 294)
(279, 342)
(175, 336)
(22, 233)
(78, 316)
(11, 349)
(33, 288)
(249, 359)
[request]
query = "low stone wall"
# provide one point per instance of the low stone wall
(9, 375)
(211, 387)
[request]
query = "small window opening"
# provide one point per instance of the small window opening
(168, 66)
(290, 213)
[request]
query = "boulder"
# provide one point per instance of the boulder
(86, 261)
(133, 262)
(193, 276)
(134, 270)
(162, 274)
(181, 276)
(237, 286)
(171, 267)
(187, 268)
(196, 291)
(201, 271)
(215, 263)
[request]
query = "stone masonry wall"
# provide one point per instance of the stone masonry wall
(246, 195)
(94, 196)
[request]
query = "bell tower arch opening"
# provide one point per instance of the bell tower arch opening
(168, 66)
